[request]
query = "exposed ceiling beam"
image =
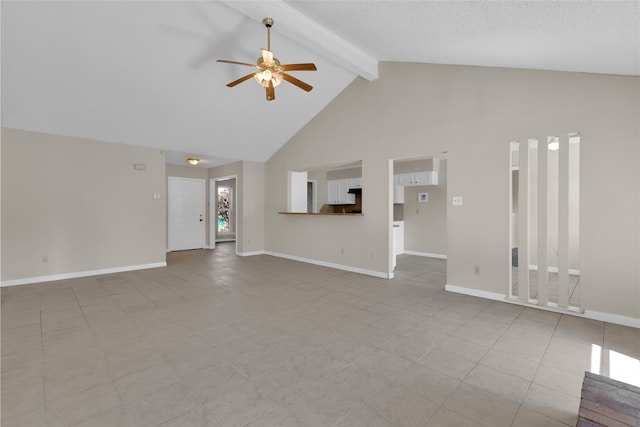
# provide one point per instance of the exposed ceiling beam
(296, 26)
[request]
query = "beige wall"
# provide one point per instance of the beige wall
(80, 203)
(418, 110)
(344, 173)
(252, 225)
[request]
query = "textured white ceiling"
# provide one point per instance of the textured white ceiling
(144, 72)
(585, 36)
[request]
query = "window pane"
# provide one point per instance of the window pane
(224, 201)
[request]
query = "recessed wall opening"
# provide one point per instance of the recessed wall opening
(326, 189)
(544, 229)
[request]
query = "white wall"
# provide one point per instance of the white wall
(419, 110)
(80, 203)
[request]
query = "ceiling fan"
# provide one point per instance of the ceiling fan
(271, 73)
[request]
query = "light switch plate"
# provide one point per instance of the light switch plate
(456, 200)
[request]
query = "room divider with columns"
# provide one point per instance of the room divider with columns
(545, 221)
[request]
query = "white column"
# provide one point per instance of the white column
(563, 222)
(543, 276)
(523, 222)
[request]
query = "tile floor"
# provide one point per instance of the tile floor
(219, 340)
(552, 287)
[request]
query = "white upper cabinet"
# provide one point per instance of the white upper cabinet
(338, 192)
(418, 178)
(412, 179)
(355, 182)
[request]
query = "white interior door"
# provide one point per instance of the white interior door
(186, 213)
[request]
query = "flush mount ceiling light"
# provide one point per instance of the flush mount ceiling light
(193, 161)
(271, 72)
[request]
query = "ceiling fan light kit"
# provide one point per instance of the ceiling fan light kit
(271, 73)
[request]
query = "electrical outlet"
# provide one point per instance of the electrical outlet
(476, 269)
(456, 200)
(45, 259)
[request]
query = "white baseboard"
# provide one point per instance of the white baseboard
(425, 254)
(572, 271)
(250, 253)
(475, 292)
(588, 314)
(76, 274)
(613, 318)
(333, 265)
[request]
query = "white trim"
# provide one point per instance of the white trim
(333, 265)
(550, 269)
(475, 292)
(594, 315)
(74, 275)
(425, 254)
(250, 253)
(296, 26)
(613, 318)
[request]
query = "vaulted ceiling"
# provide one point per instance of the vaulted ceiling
(145, 72)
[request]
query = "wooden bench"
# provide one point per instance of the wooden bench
(607, 402)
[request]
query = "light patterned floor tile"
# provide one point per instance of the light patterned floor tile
(198, 342)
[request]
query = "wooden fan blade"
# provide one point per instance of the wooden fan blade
(240, 80)
(237, 63)
(298, 67)
(271, 92)
(302, 85)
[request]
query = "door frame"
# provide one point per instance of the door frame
(314, 193)
(213, 208)
(169, 218)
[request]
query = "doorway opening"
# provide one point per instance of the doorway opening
(312, 196)
(223, 227)
(419, 223)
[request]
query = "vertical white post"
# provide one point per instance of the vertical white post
(297, 192)
(523, 222)
(543, 276)
(563, 222)
(512, 231)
